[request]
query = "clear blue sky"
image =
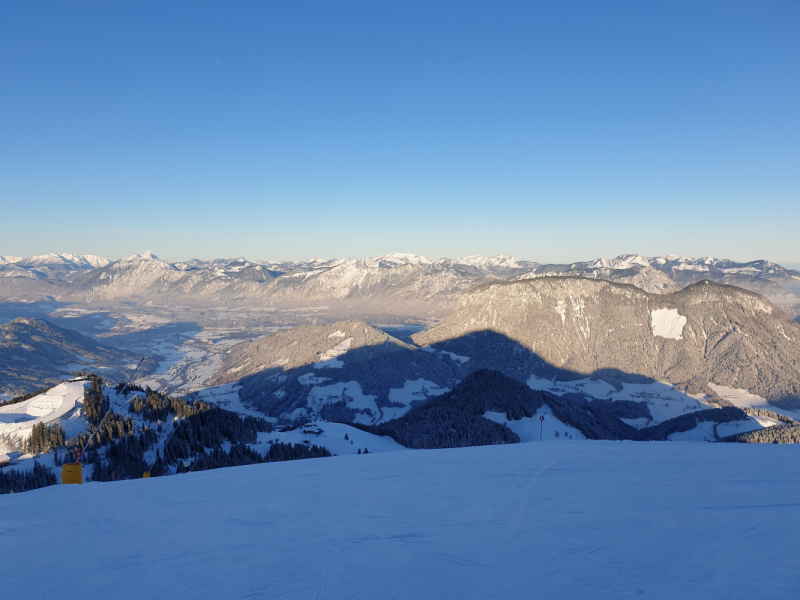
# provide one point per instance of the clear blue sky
(552, 131)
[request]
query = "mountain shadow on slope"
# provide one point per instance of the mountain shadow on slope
(455, 419)
(554, 329)
(279, 372)
(383, 364)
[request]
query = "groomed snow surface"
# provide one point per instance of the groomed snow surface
(17, 420)
(579, 521)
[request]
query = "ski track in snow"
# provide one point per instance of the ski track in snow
(579, 520)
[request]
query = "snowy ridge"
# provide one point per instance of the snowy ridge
(404, 285)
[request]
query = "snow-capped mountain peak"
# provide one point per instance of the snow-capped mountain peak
(148, 255)
(498, 260)
(74, 261)
(403, 258)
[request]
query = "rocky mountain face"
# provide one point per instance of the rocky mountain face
(390, 288)
(703, 333)
(35, 353)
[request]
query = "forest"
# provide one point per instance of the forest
(455, 419)
(197, 442)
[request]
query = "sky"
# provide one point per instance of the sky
(551, 131)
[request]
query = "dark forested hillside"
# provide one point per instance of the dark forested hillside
(455, 418)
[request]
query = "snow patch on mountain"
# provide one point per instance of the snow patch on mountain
(703, 432)
(457, 357)
(403, 258)
(417, 390)
(332, 436)
(144, 256)
(667, 323)
(329, 358)
(663, 400)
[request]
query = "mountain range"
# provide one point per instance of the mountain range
(539, 331)
(53, 267)
(390, 288)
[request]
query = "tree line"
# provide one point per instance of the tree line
(117, 452)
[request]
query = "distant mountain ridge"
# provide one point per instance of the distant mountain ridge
(53, 267)
(671, 273)
(386, 288)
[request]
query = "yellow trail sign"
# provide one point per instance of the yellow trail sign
(146, 474)
(72, 473)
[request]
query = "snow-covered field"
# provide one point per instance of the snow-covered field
(533, 429)
(351, 392)
(744, 399)
(581, 520)
(663, 400)
(332, 438)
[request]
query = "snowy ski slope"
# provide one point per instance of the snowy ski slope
(576, 521)
(17, 420)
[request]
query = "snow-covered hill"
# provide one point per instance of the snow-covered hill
(581, 520)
